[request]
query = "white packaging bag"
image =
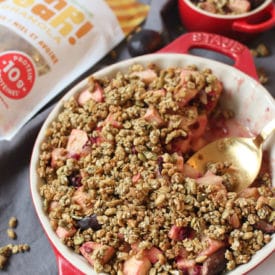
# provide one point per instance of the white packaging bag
(44, 46)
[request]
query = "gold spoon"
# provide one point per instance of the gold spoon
(244, 155)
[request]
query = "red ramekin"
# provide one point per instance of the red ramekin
(242, 26)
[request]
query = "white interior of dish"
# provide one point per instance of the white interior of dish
(235, 16)
(253, 106)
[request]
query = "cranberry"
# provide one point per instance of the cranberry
(160, 164)
(134, 150)
(75, 180)
(197, 270)
(185, 233)
(75, 156)
(89, 222)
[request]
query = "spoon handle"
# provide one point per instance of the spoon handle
(265, 133)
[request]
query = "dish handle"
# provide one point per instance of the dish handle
(218, 43)
(251, 28)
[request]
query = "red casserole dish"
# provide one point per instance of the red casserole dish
(244, 93)
(240, 26)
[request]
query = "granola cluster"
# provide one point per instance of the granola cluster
(116, 187)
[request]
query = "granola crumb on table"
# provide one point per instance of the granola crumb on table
(11, 233)
(116, 188)
(7, 250)
(262, 75)
(12, 222)
(261, 50)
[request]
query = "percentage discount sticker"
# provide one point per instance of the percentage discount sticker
(17, 74)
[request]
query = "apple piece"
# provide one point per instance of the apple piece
(208, 6)
(159, 93)
(215, 263)
(99, 138)
(210, 179)
(234, 220)
(134, 246)
(153, 254)
(54, 204)
(183, 95)
(152, 115)
(189, 73)
(197, 144)
(189, 118)
(136, 178)
(97, 95)
(77, 141)
(82, 198)
(83, 97)
(190, 171)
(63, 233)
(214, 183)
(111, 120)
(199, 127)
(181, 145)
(239, 6)
(185, 265)
(134, 266)
(89, 249)
(146, 75)
(179, 233)
(213, 246)
(58, 154)
(213, 96)
(250, 192)
(185, 74)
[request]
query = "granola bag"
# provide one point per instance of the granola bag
(45, 45)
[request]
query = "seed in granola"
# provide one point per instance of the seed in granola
(78, 240)
(110, 211)
(247, 235)
(160, 200)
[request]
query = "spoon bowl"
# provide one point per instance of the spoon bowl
(243, 154)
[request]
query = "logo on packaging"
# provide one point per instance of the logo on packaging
(17, 74)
